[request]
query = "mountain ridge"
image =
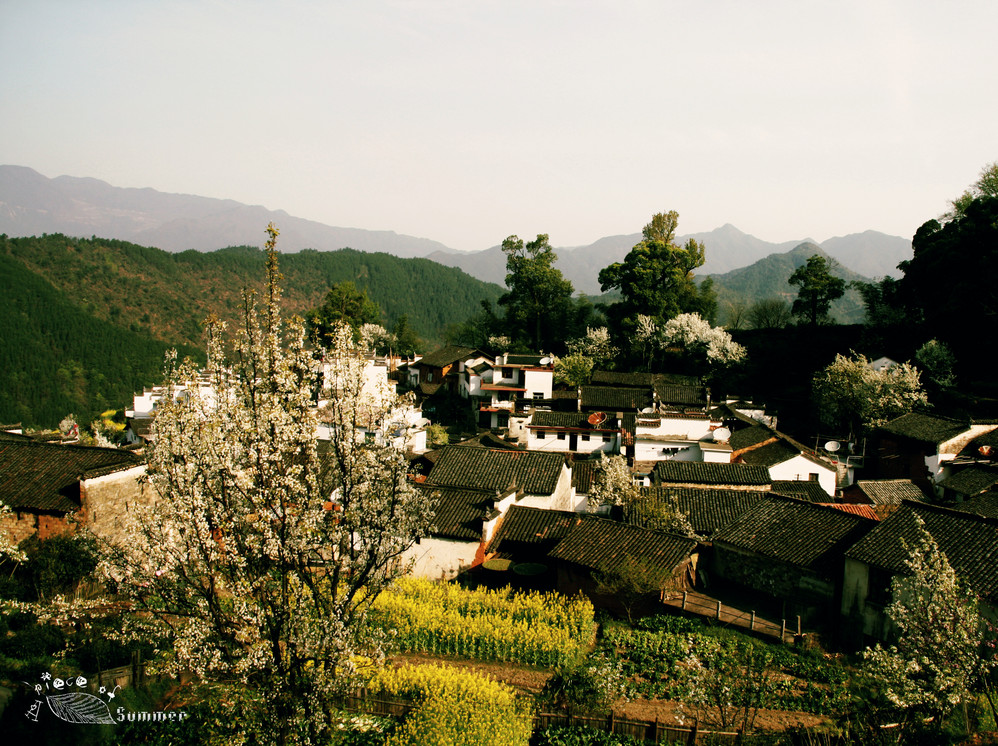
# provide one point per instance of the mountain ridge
(32, 204)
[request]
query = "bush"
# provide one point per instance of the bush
(593, 685)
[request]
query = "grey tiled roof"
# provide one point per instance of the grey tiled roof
(795, 532)
(443, 356)
(925, 428)
(803, 489)
(985, 504)
(704, 472)
(603, 545)
(46, 476)
(969, 541)
(769, 455)
(747, 437)
(531, 529)
(534, 472)
(707, 510)
(572, 420)
(615, 398)
(458, 513)
(971, 480)
(582, 475)
(671, 393)
(890, 491)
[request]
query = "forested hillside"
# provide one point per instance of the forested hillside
(768, 278)
(85, 321)
(56, 358)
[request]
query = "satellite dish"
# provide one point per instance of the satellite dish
(832, 446)
(721, 434)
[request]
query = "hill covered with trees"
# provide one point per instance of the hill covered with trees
(103, 311)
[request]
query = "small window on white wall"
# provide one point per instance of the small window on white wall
(540, 435)
(561, 436)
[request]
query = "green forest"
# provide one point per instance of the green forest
(86, 322)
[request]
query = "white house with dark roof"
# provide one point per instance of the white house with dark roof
(507, 384)
(920, 447)
(541, 480)
(464, 522)
(577, 432)
(785, 458)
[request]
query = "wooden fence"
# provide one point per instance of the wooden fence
(362, 702)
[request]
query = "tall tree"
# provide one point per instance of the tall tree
(344, 303)
(817, 289)
(949, 282)
(539, 302)
(261, 554)
(656, 278)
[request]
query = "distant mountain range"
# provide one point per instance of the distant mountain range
(31, 204)
(769, 276)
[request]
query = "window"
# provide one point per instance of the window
(507, 372)
(585, 438)
(429, 377)
(541, 435)
(561, 436)
(607, 437)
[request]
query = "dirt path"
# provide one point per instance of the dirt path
(531, 681)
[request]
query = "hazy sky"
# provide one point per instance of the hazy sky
(468, 121)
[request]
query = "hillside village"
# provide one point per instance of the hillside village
(808, 535)
(322, 492)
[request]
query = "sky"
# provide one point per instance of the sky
(466, 121)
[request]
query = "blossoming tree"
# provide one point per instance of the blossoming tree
(263, 549)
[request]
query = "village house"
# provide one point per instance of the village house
(527, 535)
(785, 458)
(969, 541)
(464, 521)
(920, 447)
(443, 369)
(509, 383)
(596, 550)
(542, 480)
(790, 552)
(55, 489)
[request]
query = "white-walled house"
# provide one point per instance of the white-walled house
(920, 447)
(673, 435)
(504, 385)
(464, 522)
(786, 459)
(578, 432)
(542, 480)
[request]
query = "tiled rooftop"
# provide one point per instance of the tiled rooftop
(795, 532)
(707, 510)
(534, 472)
(925, 428)
(603, 545)
(969, 541)
(708, 473)
(44, 476)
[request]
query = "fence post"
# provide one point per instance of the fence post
(654, 731)
(718, 617)
(798, 625)
(783, 630)
(609, 722)
(751, 625)
(684, 600)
